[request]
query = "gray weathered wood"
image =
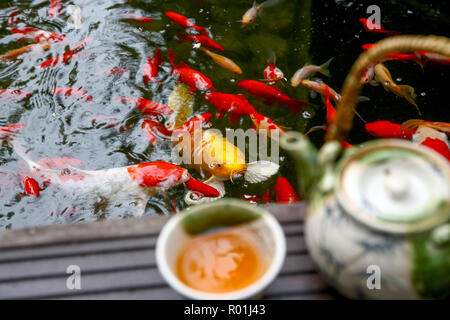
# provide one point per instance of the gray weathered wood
(117, 260)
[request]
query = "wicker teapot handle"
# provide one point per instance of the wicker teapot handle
(352, 86)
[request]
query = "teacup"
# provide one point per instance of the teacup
(211, 216)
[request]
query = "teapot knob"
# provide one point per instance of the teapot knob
(396, 184)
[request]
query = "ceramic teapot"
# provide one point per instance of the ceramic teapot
(378, 223)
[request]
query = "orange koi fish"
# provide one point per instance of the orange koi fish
(184, 22)
(151, 68)
(223, 61)
(205, 41)
(14, 54)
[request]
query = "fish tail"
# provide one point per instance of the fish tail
(324, 68)
(408, 93)
(260, 171)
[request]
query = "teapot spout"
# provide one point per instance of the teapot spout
(304, 155)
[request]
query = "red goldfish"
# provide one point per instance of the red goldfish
(54, 9)
(184, 22)
(285, 193)
(136, 17)
(154, 129)
(235, 104)
(76, 93)
(30, 186)
(56, 61)
(194, 79)
(387, 129)
(272, 74)
(196, 122)
(147, 107)
(369, 26)
(152, 65)
(36, 35)
(271, 94)
(8, 94)
(205, 41)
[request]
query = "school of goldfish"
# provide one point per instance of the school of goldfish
(220, 159)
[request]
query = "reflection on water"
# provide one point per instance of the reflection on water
(111, 65)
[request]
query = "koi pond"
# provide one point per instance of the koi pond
(78, 112)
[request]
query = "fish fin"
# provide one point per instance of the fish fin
(409, 95)
(141, 204)
(359, 116)
(21, 151)
(182, 64)
(234, 118)
(315, 128)
(220, 114)
(259, 171)
(324, 68)
(374, 83)
(172, 57)
(193, 197)
(363, 99)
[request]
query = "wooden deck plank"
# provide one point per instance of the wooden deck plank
(117, 260)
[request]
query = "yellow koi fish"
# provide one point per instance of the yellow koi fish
(182, 103)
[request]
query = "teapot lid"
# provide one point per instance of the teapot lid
(396, 186)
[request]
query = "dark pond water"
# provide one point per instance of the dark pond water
(296, 31)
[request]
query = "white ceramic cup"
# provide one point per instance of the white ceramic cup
(173, 237)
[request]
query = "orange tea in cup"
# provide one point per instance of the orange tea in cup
(222, 261)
